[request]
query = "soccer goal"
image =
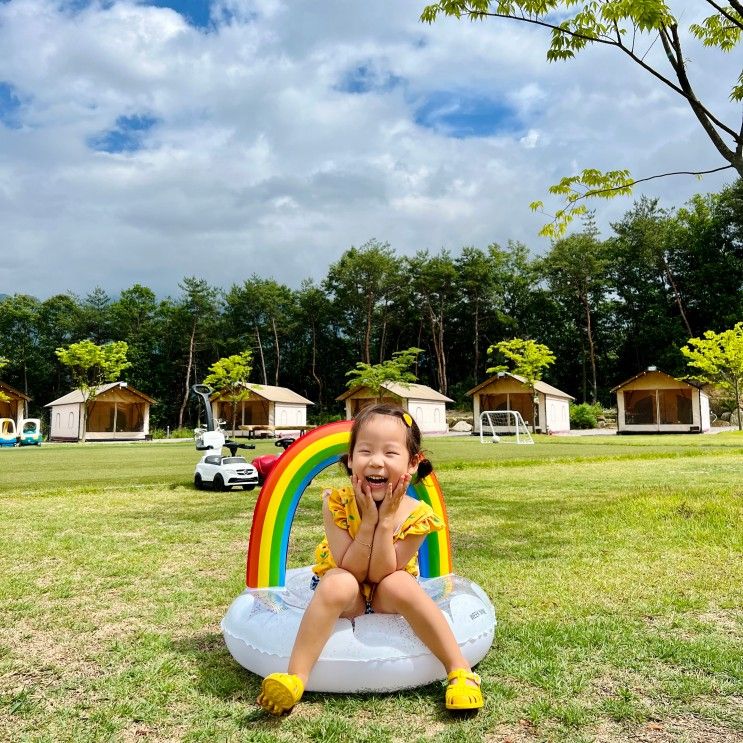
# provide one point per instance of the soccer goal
(504, 426)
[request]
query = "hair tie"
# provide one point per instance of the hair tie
(408, 420)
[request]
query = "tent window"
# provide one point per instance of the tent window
(639, 407)
(521, 402)
(249, 412)
(101, 418)
(131, 418)
(498, 401)
(675, 406)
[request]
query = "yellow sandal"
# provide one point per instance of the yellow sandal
(280, 692)
(459, 694)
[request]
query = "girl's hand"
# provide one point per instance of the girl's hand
(365, 502)
(393, 497)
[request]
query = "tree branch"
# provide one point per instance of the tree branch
(723, 11)
(611, 42)
(630, 184)
(704, 117)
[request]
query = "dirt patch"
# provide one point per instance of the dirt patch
(677, 730)
(46, 657)
(522, 732)
(727, 621)
(141, 732)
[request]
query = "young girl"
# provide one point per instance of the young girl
(368, 559)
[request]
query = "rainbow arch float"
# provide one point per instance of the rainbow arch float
(262, 622)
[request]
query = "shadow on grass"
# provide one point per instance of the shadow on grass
(217, 672)
(218, 675)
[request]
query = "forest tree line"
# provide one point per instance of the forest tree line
(607, 308)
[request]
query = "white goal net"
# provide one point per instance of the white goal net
(503, 426)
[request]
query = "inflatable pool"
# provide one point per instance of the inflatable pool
(374, 652)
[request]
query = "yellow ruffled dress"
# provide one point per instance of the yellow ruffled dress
(342, 504)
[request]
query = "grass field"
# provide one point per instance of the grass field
(615, 565)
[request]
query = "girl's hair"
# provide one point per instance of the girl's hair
(412, 434)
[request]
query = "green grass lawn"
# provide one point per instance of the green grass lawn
(615, 565)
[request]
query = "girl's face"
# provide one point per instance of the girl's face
(381, 455)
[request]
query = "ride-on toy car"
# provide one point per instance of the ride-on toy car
(224, 473)
(8, 434)
(266, 462)
(30, 434)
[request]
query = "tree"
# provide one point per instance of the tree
(705, 251)
(57, 323)
(199, 308)
(631, 28)
(91, 366)
(396, 369)
(434, 284)
(134, 320)
(718, 358)
(477, 274)
(94, 316)
(575, 271)
(3, 363)
(313, 316)
(257, 309)
(529, 359)
(521, 305)
(362, 283)
(18, 334)
(644, 289)
(229, 376)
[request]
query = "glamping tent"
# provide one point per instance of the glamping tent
(505, 391)
(426, 405)
(16, 407)
(119, 412)
(655, 402)
(264, 410)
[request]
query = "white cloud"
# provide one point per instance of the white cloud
(259, 160)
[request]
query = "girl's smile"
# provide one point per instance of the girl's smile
(375, 481)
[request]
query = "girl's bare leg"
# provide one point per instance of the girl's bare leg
(337, 595)
(400, 593)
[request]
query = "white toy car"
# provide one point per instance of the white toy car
(223, 473)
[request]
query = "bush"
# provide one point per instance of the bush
(320, 419)
(584, 415)
(175, 433)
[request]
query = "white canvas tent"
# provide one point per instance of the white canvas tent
(118, 413)
(266, 409)
(656, 402)
(506, 391)
(426, 405)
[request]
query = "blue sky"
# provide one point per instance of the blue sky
(459, 114)
(127, 135)
(10, 105)
(143, 142)
(196, 12)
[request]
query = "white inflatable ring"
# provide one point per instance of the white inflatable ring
(372, 653)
